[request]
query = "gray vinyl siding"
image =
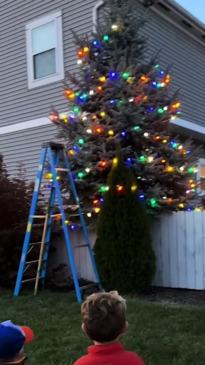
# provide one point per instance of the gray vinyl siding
(24, 146)
(186, 57)
(18, 104)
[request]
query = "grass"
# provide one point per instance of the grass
(162, 334)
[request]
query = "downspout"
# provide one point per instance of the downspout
(95, 13)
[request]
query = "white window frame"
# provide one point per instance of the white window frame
(59, 75)
(201, 161)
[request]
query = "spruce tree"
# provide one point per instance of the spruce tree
(121, 96)
(123, 248)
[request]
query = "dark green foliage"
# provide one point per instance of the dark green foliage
(15, 196)
(123, 248)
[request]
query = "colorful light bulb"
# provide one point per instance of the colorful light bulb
(169, 169)
(115, 27)
(144, 79)
(102, 79)
(80, 175)
(97, 210)
(153, 203)
(81, 141)
(136, 128)
(103, 189)
(143, 159)
(106, 38)
(120, 188)
(96, 43)
(113, 76)
(102, 114)
(48, 175)
(133, 188)
(86, 49)
(125, 75)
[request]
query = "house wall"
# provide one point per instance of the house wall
(18, 104)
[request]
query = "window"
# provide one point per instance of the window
(201, 175)
(44, 50)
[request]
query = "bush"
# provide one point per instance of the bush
(123, 248)
(15, 198)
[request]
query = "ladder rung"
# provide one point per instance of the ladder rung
(38, 243)
(88, 286)
(31, 279)
(61, 169)
(27, 280)
(31, 262)
(43, 216)
(38, 216)
(83, 245)
(74, 215)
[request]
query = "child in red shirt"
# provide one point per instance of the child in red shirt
(104, 322)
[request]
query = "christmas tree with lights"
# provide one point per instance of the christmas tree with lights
(120, 98)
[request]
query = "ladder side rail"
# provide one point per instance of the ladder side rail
(65, 228)
(82, 220)
(41, 254)
(34, 201)
(49, 226)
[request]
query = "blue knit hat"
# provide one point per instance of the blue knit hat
(12, 339)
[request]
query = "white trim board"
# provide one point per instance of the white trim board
(189, 125)
(25, 125)
(34, 123)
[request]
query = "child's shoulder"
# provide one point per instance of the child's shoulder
(133, 359)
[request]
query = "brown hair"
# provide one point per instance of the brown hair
(104, 316)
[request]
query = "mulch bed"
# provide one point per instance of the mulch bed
(177, 296)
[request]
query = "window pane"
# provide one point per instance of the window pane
(43, 38)
(44, 64)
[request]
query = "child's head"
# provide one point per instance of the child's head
(12, 341)
(104, 316)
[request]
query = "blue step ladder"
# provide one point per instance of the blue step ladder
(54, 157)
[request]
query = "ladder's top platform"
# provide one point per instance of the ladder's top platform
(53, 145)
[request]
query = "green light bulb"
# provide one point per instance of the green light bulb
(143, 159)
(106, 38)
(76, 109)
(190, 170)
(103, 189)
(81, 141)
(136, 128)
(120, 103)
(125, 75)
(153, 203)
(81, 175)
(160, 110)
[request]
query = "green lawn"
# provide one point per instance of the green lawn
(162, 334)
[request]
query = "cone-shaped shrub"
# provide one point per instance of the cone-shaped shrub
(123, 247)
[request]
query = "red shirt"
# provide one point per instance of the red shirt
(111, 354)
